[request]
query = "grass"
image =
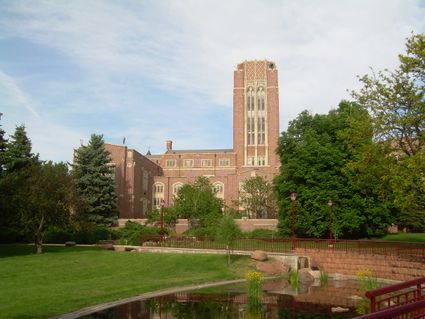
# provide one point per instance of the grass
(412, 237)
(65, 279)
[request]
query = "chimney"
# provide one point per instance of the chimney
(169, 145)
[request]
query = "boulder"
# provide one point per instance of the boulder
(70, 244)
(107, 246)
(305, 277)
(271, 267)
(339, 309)
(259, 255)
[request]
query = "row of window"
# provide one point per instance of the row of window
(223, 162)
(158, 191)
(258, 130)
(252, 161)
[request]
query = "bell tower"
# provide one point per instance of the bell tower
(256, 114)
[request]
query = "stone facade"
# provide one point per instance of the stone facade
(143, 182)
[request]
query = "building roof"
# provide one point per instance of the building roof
(226, 150)
(199, 151)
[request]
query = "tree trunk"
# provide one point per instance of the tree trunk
(39, 237)
(228, 254)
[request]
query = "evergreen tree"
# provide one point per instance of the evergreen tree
(18, 153)
(95, 184)
(16, 158)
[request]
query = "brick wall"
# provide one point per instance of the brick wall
(349, 263)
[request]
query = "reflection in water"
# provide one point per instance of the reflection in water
(278, 301)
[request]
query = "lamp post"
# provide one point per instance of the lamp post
(293, 199)
(162, 222)
(330, 204)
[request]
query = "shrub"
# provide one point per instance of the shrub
(130, 234)
(201, 231)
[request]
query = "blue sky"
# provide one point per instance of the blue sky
(157, 70)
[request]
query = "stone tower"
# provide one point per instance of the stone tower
(256, 114)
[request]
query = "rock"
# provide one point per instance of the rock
(354, 297)
(259, 255)
(339, 309)
(305, 277)
(70, 244)
(271, 267)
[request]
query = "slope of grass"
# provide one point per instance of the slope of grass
(418, 237)
(66, 279)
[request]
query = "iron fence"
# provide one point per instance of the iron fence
(412, 251)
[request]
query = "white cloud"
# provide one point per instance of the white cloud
(188, 50)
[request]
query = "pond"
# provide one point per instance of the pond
(278, 300)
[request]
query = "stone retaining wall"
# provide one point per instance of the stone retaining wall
(349, 263)
(245, 224)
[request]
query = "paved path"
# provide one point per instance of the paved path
(92, 309)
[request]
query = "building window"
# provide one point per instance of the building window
(158, 194)
(261, 161)
(206, 163)
(218, 188)
(250, 99)
(261, 125)
(176, 188)
(170, 163)
(251, 161)
(188, 163)
(250, 128)
(224, 162)
(261, 104)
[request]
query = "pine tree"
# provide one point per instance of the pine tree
(18, 152)
(94, 183)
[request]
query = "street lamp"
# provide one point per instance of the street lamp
(293, 199)
(162, 221)
(330, 204)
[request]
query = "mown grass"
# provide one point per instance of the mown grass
(66, 279)
(412, 237)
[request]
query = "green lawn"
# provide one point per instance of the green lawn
(66, 279)
(418, 237)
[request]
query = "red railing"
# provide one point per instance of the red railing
(403, 300)
(408, 250)
(397, 295)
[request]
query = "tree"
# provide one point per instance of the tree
(227, 233)
(45, 200)
(18, 152)
(94, 183)
(198, 203)
(257, 197)
(15, 156)
(315, 152)
(396, 101)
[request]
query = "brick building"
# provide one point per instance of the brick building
(143, 181)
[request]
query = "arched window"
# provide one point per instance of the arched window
(261, 120)
(176, 188)
(218, 188)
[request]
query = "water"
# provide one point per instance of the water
(279, 300)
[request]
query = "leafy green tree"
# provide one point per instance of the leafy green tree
(94, 183)
(198, 203)
(3, 148)
(258, 198)
(227, 233)
(315, 152)
(396, 101)
(45, 200)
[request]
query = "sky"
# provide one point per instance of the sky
(156, 70)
